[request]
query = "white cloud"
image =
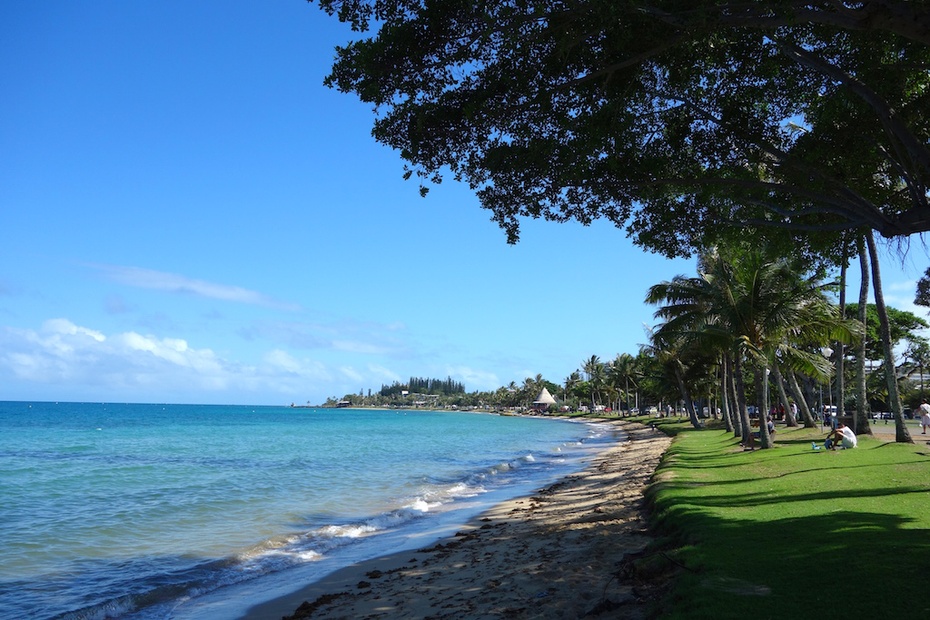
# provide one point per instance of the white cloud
(175, 283)
(306, 368)
(61, 360)
(351, 373)
(474, 379)
(383, 374)
(363, 338)
(172, 350)
(64, 327)
(66, 361)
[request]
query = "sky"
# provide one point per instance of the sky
(188, 215)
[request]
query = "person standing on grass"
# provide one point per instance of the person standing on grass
(924, 417)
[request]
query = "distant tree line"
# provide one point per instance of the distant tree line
(421, 385)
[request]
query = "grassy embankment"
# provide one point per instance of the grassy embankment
(792, 532)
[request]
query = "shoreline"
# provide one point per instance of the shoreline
(553, 554)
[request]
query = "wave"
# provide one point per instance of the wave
(157, 595)
(152, 588)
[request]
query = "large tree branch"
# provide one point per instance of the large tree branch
(915, 151)
(792, 166)
(855, 213)
(910, 20)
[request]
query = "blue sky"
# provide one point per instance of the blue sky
(188, 215)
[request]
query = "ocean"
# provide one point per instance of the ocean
(150, 512)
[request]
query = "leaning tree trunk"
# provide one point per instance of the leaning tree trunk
(745, 424)
(802, 402)
(901, 433)
(734, 399)
(686, 395)
(790, 420)
(724, 389)
(862, 397)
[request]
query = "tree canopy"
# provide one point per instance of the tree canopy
(903, 325)
(675, 120)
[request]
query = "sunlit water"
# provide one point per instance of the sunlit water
(161, 511)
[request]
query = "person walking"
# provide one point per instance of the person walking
(924, 417)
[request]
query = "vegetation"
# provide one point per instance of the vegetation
(419, 385)
(749, 307)
(680, 121)
(751, 332)
(691, 125)
(791, 532)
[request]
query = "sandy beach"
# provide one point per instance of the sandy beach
(566, 551)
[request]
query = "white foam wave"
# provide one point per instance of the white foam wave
(422, 506)
(354, 530)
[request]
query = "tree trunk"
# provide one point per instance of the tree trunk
(762, 382)
(626, 392)
(686, 395)
(802, 402)
(901, 433)
(724, 388)
(745, 424)
(841, 350)
(862, 398)
(782, 396)
(734, 400)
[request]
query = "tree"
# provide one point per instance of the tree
(676, 120)
(918, 353)
(623, 368)
(571, 383)
(901, 433)
(922, 298)
(902, 326)
(668, 349)
(862, 402)
(757, 306)
(594, 368)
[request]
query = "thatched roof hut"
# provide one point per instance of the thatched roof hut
(543, 401)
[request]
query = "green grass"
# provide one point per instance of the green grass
(791, 532)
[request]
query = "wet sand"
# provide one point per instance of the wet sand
(566, 551)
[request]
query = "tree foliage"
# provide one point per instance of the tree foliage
(753, 306)
(422, 385)
(922, 297)
(675, 120)
(903, 325)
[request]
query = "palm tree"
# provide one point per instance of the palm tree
(668, 348)
(595, 371)
(758, 308)
(861, 424)
(901, 433)
(623, 368)
(572, 381)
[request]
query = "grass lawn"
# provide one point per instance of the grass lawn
(792, 532)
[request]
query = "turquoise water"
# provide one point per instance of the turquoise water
(142, 511)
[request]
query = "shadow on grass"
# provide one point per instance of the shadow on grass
(766, 497)
(799, 567)
(778, 533)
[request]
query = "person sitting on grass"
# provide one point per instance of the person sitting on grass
(841, 435)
